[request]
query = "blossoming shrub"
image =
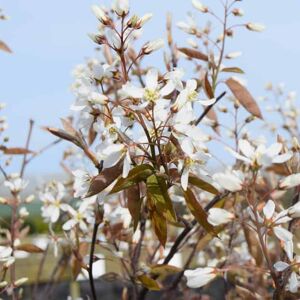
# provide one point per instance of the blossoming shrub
(139, 184)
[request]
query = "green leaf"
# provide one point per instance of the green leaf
(157, 192)
(136, 175)
(162, 271)
(134, 203)
(203, 185)
(149, 283)
(233, 70)
(197, 211)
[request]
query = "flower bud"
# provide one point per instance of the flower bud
(238, 12)
(3, 200)
(3, 284)
(199, 6)
(295, 143)
(121, 7)
(144, 19)
(100, 14)
(133, 21)
(153, 46)
(232, 55)
(255, 27)
(21, 281)
(9, 262)
(29, 198)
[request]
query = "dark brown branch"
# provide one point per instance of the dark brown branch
(208, 108)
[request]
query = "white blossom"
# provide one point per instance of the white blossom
(219, 216)
(200, 276)
(290, 181)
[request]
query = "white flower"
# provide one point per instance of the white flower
(232, 55)
(198, 5)
(5, 253)
(153, 46)
(191, 163)
(280, 266)
(101, 71)
(275, 220)
(121, 7)
(219, 216)
(110, 154)
(190, 94)
(175, 193)
(23, 212)
(120, 215)
(231, 181)
(290, 181)
(261, 156)
(294, 211)
(255, 27)
(15, 183)
(152, 91)
(126, 165)
(52, 204)
(80, 216)
(82, 183)
(200, 276)
(97, 98)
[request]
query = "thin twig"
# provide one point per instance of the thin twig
(208, 108)
(24, 163)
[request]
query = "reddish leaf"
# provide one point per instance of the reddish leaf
(29, 248)
(160, 226)
(194, 53)
(244, 97)
(65, 136)
(208, 88)
(104, 179)
(233, 70)
(197, 211)
(4, 47)
(134, 203)
(148, 282)
(15, 150)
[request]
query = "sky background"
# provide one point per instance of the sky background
(50, 37)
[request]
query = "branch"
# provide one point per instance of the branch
(208, 108)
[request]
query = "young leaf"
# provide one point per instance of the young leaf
(162, 271)
(4, 47)
(65, 136)
(134, 203)
(30, 248)
(244, 97)
(157, 192)
(197, 211)
(233, 70)
(15, 150)
(203, 185)
(148, 282)
(194, 53)
(136, 175)
(160, 226)
(104, 179)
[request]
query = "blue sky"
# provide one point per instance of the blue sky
(50, 37)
